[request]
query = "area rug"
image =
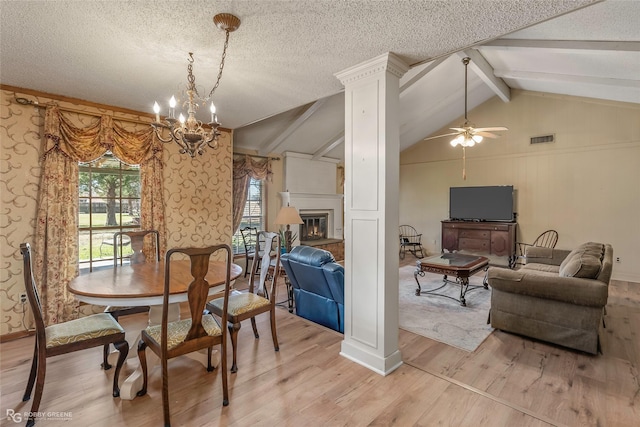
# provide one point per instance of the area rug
(444, 319)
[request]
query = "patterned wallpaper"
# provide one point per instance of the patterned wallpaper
(197, 194)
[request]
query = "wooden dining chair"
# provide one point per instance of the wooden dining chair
(53, 340)
(199, 331)
(136, 240)
(251, 247)
(260, 299)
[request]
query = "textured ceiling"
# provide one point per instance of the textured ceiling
(284, 54)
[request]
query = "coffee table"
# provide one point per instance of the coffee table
(461, 266)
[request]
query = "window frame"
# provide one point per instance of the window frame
(102, 232)
(257, 221)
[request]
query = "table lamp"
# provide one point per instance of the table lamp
(288, 215)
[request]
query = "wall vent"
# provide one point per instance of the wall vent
(543, 139)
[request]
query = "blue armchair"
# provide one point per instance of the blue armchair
(318, 285)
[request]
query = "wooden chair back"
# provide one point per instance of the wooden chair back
(197, 293)
(269, 243)
(32, 294)
(137, 245)
(249, 239)
(548, 239)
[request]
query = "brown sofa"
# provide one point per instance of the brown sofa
(558, 296)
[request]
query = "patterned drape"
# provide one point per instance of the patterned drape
(56, 241)
(245, 168)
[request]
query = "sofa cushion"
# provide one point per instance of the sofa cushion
(585, 261)
(545, 268)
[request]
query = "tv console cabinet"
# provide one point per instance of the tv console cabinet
(494, 238)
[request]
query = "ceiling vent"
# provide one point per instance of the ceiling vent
(543, 139)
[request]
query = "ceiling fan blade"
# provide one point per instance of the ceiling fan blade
(487, 134)
(491, 129)
(459, 129)
(440, 136)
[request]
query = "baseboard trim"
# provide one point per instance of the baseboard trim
(16, 335)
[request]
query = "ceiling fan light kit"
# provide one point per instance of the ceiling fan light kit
(467, 135)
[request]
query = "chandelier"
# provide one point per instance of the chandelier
(189, 133)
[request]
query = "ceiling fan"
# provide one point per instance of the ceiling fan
(467, 134)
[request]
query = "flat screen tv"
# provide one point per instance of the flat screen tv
(491, 203)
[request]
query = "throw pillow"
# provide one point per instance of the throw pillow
(585, 261)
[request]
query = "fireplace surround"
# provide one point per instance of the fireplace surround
(314, 226)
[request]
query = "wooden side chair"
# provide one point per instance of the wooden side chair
(136, 240)
(250, 242)
(547, 239)
(199, 331)
(259, 299)
(410, 241)
(86, 332)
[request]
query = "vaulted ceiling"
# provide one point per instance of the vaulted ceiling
(278, 91)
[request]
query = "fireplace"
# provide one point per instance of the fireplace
(314, 226)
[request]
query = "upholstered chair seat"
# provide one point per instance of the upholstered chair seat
(242, 302)
(85, 328)
(177, 331)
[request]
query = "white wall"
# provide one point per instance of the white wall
(307, 176)
(586, 185)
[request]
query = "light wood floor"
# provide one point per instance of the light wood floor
(507, 381)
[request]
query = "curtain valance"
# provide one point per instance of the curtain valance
(90, 143)
(252, 167)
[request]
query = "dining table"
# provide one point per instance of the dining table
(143, 285)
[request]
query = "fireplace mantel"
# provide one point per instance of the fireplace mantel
(330, 204)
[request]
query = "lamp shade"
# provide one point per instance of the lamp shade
(288, 215)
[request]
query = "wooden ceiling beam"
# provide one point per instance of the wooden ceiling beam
(484, 70)
(421, 74)
(272, 146)
(330, 145)
(624, 46)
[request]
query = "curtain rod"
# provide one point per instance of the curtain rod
(256, 156)
(25, 101)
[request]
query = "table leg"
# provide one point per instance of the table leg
(289, 294)
(464, 285)
(417, 273)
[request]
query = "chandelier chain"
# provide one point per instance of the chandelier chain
(224, 55)
(191, 79)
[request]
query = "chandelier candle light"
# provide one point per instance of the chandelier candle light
(189, 133)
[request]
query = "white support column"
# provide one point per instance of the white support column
(372, 163)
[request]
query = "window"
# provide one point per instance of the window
(253, 214)
(109, 201)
